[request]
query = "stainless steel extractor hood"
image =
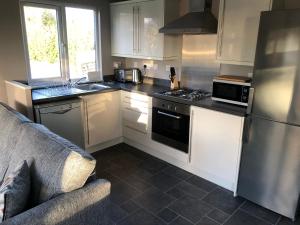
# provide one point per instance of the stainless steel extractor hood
(199, 20)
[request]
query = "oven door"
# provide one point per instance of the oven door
(171, 128)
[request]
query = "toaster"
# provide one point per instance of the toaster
(131, 75)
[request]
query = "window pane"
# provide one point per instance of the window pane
(81, 41)
(42, 41)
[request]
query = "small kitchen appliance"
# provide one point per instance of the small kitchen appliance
(232, 89)
(130, 75)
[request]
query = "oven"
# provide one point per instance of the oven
(171, 124)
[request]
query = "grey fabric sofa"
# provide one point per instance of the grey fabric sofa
(64, 201)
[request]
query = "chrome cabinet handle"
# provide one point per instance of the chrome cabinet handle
(133, 20)
(190, 138)
(247, 126)
(169, 115)
(220, 31)
(138, 28)
(250, 101)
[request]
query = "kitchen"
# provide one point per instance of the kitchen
(207, 128)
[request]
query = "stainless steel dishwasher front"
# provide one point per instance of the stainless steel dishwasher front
(63, 118)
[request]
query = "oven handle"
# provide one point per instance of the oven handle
(169, 115)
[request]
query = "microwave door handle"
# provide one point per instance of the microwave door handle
(169, 115)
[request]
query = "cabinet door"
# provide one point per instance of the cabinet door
(122, 29)
(103, 117)
(238, 30)
(150, 43)
(215, 145)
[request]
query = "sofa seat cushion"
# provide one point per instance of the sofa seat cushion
(58, 165)
(10, 128)
(14, 192)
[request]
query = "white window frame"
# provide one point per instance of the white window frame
(62, 37)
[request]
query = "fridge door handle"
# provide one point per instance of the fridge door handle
(250, 101)
(247, 126)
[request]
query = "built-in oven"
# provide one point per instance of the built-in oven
(171, 124)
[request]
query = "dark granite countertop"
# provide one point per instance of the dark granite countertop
(147, 89)
(46, 95)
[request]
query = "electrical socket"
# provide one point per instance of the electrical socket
(116, 65)
(168, 67)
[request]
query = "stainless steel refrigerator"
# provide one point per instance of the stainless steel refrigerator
(270, 162)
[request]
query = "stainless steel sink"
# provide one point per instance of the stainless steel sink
(92, 87)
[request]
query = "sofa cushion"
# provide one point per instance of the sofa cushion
(10, 128)
(59, 166)
(14, 192)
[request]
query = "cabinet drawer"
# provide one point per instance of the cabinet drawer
(135, 116)
(135, 134)
(129, 96)
(137, 127)
(135, 107)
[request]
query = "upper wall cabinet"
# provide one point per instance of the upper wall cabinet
(135, 29)
(238, 30)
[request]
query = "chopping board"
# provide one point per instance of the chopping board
(234, 78)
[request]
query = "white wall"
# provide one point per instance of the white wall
(12, 59)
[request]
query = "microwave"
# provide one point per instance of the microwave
(232, 90)
(132, 75)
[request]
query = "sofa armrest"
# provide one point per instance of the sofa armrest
(88, 205)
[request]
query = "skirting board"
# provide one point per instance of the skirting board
(183, 165)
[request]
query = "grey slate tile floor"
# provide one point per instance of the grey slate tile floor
(148, 191)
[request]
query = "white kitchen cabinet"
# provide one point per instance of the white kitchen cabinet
(238, 30)
(102, 118)
(136, 116)
(135, 29)
(215, 147)
(122, 29)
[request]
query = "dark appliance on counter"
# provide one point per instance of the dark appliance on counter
(270, 162)
(132, 75)
(232, 89)
(171, 124)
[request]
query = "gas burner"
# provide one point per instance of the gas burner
(187, 94)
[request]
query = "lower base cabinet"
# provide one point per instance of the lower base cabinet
(215, 137)
(136, 116)
(102, 118)
(215, 146)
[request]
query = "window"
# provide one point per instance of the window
(61, 42)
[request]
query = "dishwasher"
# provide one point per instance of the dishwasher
(64, 118)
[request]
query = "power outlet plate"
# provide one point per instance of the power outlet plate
(168, 67)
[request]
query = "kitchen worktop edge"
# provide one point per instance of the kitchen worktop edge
(146, 89)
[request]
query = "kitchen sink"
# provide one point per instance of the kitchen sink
(92, 87)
